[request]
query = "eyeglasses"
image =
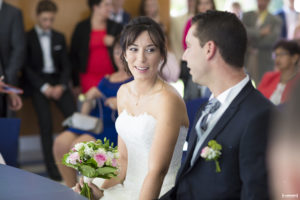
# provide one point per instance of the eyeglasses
(276, 55)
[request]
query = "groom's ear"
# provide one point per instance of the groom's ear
(210, 49)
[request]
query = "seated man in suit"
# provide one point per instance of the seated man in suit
(47, 70)
(234, 122)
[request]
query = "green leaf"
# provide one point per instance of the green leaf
(91, 162)
(106, 170)
(86, 191)
(88, 171)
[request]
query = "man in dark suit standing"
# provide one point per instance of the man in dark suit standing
(236, 117)
(12, 46)
(48, 71)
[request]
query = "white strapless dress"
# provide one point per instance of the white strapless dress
(137, 132)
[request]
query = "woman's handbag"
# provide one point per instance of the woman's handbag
(86, 122)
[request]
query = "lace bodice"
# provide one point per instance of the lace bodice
(138, 132)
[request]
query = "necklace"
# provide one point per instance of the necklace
(139, 97)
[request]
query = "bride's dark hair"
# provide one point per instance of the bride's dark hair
(137, 26)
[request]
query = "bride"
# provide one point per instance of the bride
(152, 122)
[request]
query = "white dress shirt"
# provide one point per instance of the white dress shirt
(45, 42)
(225, 98)
(291, 19)
(1, 1)
(117, 17)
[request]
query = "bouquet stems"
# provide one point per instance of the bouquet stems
(86, 190)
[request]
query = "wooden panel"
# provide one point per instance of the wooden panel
(132, 6)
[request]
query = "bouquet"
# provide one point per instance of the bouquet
(93, 159)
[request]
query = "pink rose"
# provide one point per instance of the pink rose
(204, 152)
(100, 159)
(73, 158)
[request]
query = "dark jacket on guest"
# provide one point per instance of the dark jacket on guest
(80, 45)
(34, 60)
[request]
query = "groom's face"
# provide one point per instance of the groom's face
(195, 57)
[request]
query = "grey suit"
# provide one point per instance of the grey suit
(259, 55)
(12, 42)
(12, 46)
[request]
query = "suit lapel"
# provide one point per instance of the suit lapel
(191, 143)
(223, 121)
(37, 43)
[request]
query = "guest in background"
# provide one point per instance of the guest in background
(106, 93)
(193, 90)
(176, 29)
(276, 85)
(150, 8)
(118, 14)
(263, 30)
(289, 17)
(12, 50)
(90, 46)
(236, 9)
(201, 7)
(171, 70)
(47, 71)
(284, 150)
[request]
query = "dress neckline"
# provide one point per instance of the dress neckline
(124, 111)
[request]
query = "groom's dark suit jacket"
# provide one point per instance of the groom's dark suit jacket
(242, 132)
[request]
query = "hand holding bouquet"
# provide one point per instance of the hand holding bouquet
(93, 159)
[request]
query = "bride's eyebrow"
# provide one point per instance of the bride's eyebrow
(149, 45)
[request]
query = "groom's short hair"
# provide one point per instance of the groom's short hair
(228, 33)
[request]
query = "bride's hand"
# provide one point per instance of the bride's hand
(96, 192)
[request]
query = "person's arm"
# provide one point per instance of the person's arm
(65, 71)
(14, 102)
(252, 157)
(253, 32)
(267, 41)
(123, 156)
(17, 45)
(74, 55)
(91, 94)
(65, 64)
(169, 120)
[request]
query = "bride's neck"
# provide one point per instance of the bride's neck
(142, 87)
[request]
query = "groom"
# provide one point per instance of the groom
(236, 117)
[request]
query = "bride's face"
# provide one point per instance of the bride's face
(143, 57)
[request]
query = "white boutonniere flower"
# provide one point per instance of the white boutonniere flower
(212, 152)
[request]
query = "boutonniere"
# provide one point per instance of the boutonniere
(212, 152)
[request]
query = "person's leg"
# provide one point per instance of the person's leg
(62, 145)
(42, 107)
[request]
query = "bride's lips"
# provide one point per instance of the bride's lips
(141, 69)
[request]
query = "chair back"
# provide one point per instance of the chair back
(9, 133)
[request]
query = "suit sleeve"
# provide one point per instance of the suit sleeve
(66, 68)
(252, 32)
(268, 40)
(74, 55)
(252, 157)
(32, 76)
(18, 49)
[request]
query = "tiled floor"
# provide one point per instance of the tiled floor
(30, 155)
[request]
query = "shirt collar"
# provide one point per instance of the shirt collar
(40, 31)
(1, 2)
(228, 95)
